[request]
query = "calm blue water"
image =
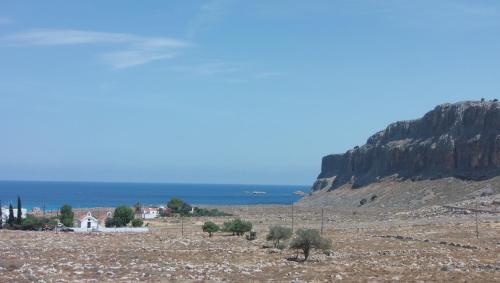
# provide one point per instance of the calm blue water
(90, 194)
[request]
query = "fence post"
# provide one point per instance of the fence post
(322, 220)
(477, 225)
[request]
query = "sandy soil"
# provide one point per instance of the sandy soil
(369, 244)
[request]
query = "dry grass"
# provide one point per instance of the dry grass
(362, 250)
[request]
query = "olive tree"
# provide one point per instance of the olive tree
(210, 227)
(307, 239)
(278, 233)
(238, 227)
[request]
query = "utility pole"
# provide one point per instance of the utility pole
(292, 217)
(182, 226)
(43, 207)
(322, 212)
(477, 225)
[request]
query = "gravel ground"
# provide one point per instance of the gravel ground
(429, 244)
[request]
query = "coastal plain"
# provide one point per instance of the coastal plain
(369, 244)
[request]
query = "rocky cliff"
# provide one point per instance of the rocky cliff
(453, 140)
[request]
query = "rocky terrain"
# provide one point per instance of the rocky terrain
(396, 194)
(460, 140)
(432, 243)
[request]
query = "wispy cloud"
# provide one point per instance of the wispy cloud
(209, 14)
(5, 20)
(230, 72)
(125, 59)
(135, 50)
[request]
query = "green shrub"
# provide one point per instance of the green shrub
(210, 227)
(238, 227)
(307, 239)
(122, 216)
(109, 222)
(374, 197)
(32, 222)
(137, 222)
(278, 233)
(362, 202)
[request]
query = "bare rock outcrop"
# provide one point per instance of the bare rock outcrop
(454, 140)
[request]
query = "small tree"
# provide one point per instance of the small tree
(307, 239)
(19, 218)
(185, 209)
(123, 215)
(137, 222)
(238, 227)
(11, 218)
(278, 233)
(175, 204)
(67, 216)
(210, 227)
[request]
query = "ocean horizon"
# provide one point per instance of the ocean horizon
(52, 195)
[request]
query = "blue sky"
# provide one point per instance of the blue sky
(226, 91)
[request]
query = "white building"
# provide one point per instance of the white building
(150, 212)
(5, 213)
(89, 222)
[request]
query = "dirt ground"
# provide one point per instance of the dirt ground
(368, 246)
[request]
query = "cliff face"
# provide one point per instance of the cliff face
(460, 140)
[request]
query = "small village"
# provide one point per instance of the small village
(120, 219)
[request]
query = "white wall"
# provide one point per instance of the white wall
(114, 230)
(5, 213)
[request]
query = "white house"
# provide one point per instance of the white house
(150, 212)
(89, 222)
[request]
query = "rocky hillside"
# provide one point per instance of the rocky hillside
(460, 140)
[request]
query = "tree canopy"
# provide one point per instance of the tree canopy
(210, 227)
(237, 227)
(67, 216)
(179, 206)
(122, 216)
(278, 233)
(307, 239)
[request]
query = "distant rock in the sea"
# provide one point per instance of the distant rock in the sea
(459, 140)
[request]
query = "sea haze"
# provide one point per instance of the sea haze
(100, 194)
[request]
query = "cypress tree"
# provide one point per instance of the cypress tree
(19, 212)
(11, 218)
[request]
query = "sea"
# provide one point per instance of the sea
(52, 195)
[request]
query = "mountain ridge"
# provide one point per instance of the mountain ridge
(460, 140)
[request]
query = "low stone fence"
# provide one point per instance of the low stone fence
(113, 230)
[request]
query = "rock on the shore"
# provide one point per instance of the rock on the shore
(460, 140)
